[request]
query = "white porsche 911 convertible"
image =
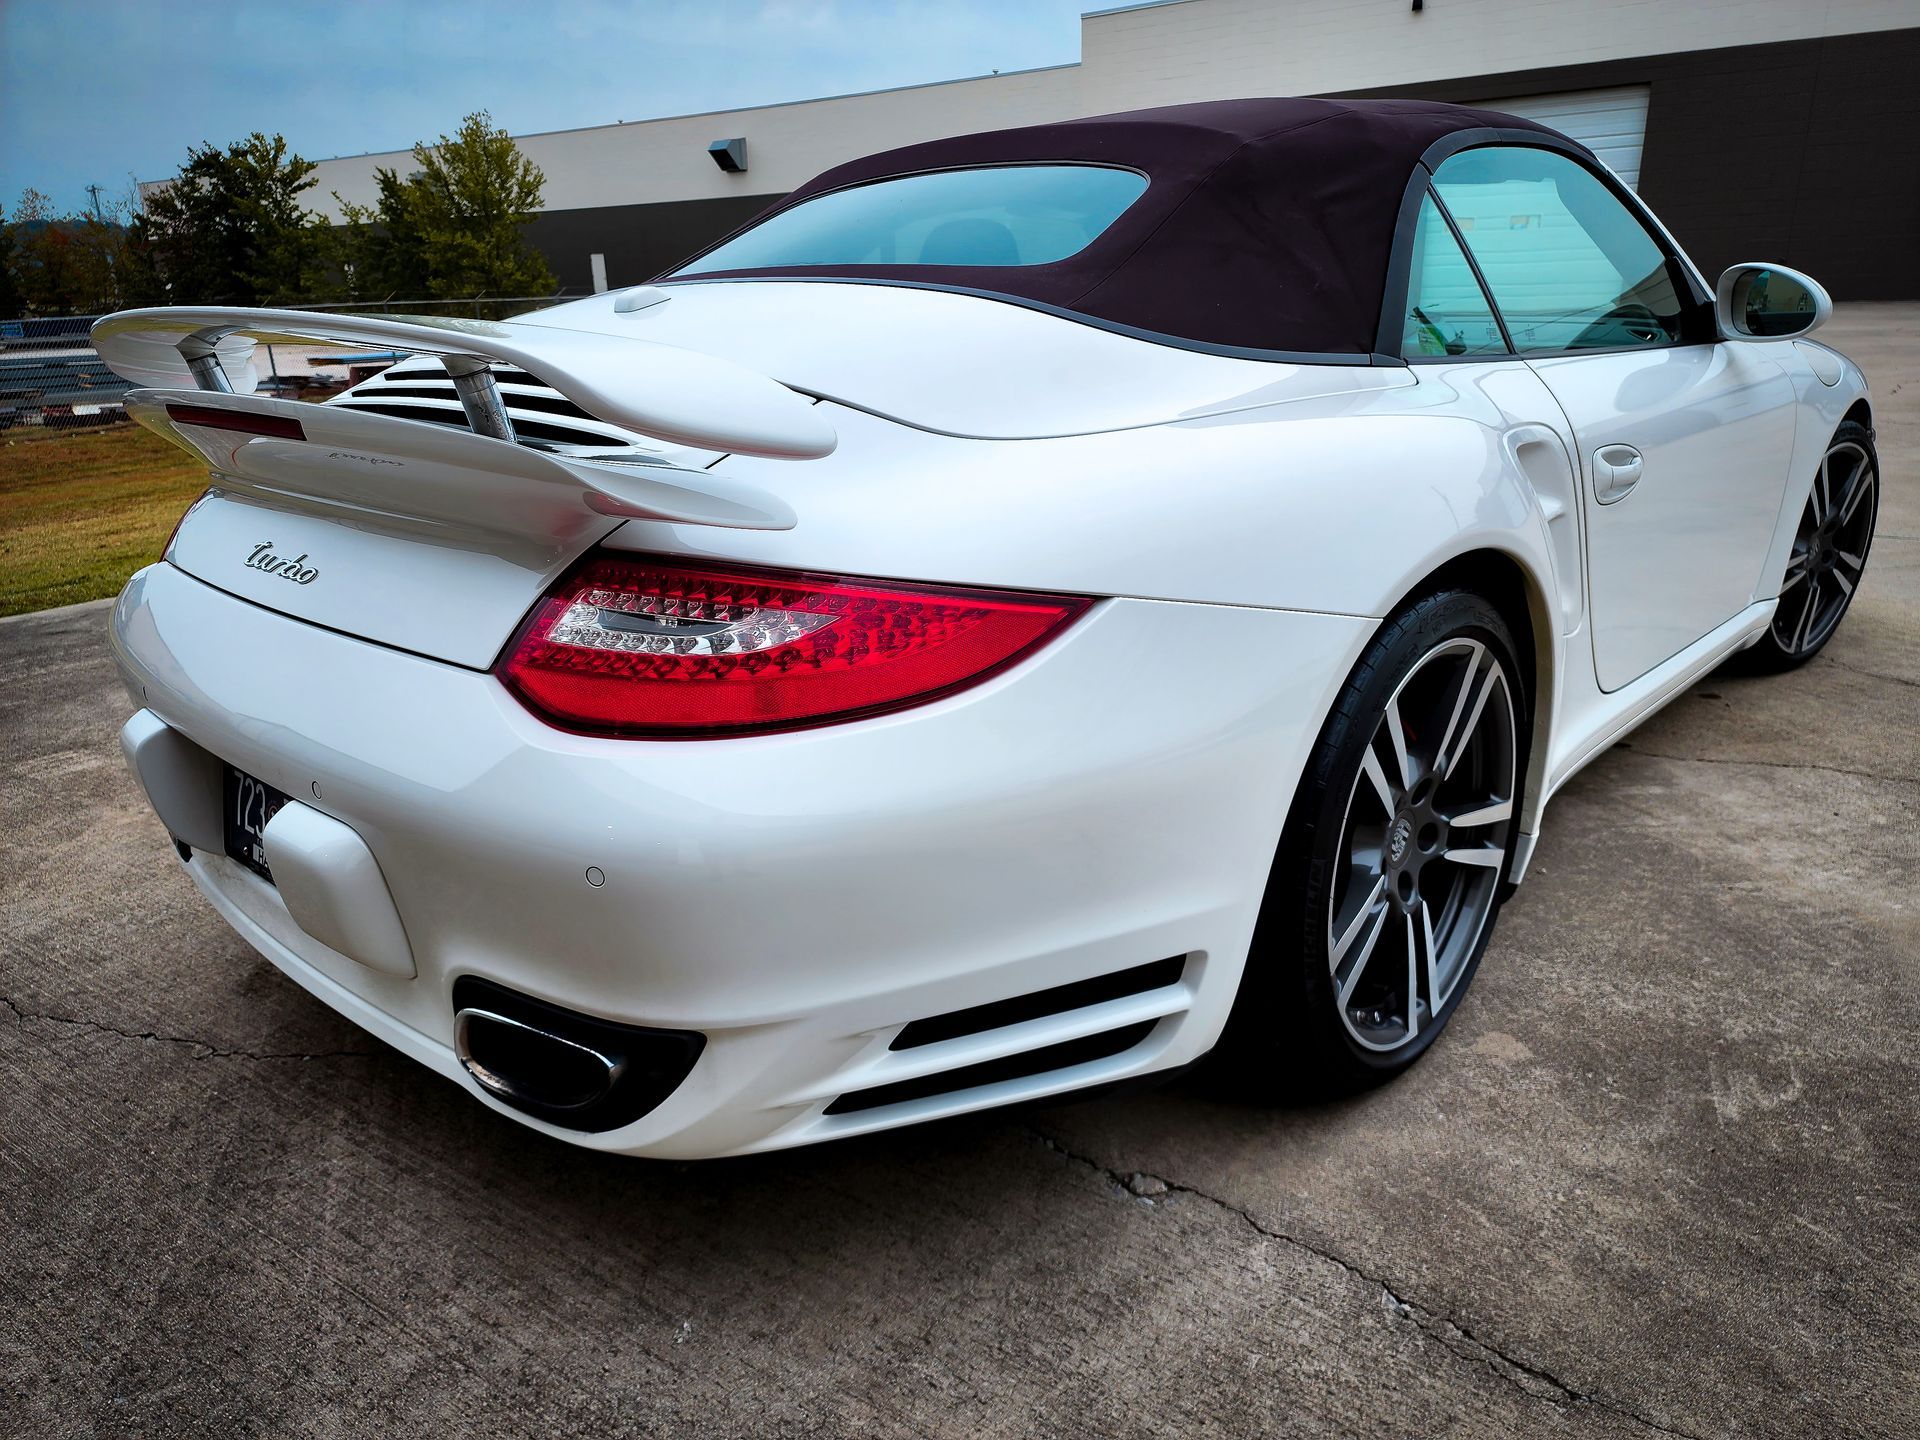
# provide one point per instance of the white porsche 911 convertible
(1027, 610)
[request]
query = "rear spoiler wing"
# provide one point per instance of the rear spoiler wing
(196, 365)
(667, 392)
(451, 479)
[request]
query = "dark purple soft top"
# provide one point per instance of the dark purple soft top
(1265, 225)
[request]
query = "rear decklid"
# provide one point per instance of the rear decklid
(963, 364)
(432, 537)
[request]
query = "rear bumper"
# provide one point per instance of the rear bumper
(797, 899)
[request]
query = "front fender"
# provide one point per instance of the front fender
(1827, 385)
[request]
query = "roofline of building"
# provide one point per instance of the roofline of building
(769, 105)
(1123, 9)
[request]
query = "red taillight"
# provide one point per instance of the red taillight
(247, 422)
(649, 647)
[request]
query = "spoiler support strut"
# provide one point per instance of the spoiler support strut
(203, 361)
(473, 381)
(479, 396)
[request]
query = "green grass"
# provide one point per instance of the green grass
(81, 510)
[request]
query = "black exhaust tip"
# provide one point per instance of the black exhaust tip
(569, 1069)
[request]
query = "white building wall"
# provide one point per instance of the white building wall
(654, 160)
(1218, 49)
(1158, 54)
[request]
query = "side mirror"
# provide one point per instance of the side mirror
(1769, 302)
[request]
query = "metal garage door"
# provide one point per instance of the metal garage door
(1611, 123)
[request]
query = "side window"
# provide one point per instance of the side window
(1447, 311)
(1570, 267)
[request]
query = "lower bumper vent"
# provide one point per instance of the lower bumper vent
(989, 1072)
(1041, 1003)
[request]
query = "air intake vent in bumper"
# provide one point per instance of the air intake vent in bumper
(1008, 1067)
(1077, 996)
(1025, 1037)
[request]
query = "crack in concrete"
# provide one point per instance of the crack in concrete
(1875, 674)
(208, 1051)
(1763, 764)
(1534, 1381)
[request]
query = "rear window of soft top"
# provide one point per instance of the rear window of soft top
(989, 216)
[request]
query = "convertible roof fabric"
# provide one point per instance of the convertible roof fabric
(1266, 224)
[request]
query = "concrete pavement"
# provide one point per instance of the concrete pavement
(1660, 1178)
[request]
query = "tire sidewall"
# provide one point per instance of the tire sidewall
(1287, 994)
(1767, 655)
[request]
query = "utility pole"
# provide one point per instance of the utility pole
(94, 191)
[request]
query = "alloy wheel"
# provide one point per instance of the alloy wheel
(1423, 845)
(1829, 550)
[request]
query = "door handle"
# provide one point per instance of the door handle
(1616, 470)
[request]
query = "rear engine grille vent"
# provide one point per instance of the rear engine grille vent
(990, 1072)
(543, 418)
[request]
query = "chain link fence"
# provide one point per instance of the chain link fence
(51, 377)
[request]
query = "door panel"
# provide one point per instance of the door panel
(1673, 551)
(1683, 442)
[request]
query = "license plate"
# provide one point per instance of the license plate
(250, 805)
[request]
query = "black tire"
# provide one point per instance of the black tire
(1288, 1037)
(1821, 560)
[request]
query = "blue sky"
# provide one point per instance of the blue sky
(110, 91)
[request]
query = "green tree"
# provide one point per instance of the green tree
(380, 251)
(11, 301)
(140, 282)
(231, 227)
(43, 258)
(63, 263)
(456, 226)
